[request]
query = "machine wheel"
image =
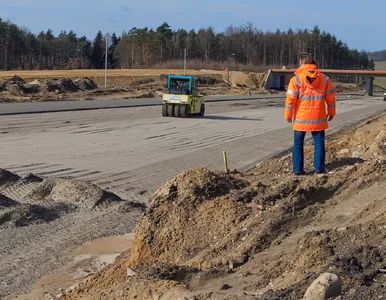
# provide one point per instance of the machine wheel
(164, 110)
(176, 111)
(202, 110)
(170, 108)
(184, 111)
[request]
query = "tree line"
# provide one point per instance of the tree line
(378, 55)
(148, 48)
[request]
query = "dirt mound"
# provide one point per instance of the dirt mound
(22, 89)
(29, 177)
(17, 86)
(6, 177)
(85, 84)
(244, 79)
(192, 202)
(209, 80)
(355, 253)
(207, 225)
(3, 85)
(62, 85)
(26, 215)
(81, 194)
(15, 79)
(196, 185)
(163, 77)
(7, 202)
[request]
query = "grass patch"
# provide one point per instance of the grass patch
(381, 81)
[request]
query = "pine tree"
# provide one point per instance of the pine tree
(98, 49)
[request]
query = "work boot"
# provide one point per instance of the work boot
(299, 173)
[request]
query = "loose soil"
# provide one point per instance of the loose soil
(51, 216)
(264, 234)
(37, 86)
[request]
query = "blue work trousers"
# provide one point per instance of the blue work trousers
(298, 151)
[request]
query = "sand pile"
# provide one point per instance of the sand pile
(31, 214)
(209, 80)
(85, 84)
(183, 211)
(251, 230)
(244, 79)
(62, 85)
(7, 178)
(81, 194)
(29, 177)
(17, 86)
(48, 199)
(3, 85)
(16, 80)
(7, 202)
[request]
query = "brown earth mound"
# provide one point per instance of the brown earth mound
(21, 89)
(186, 202)
(3, 85)
(62, 85)
(78, 193)
(251, 230)
(209, 80)
(16, 80)
(17, 86)
(17, 89)
(85, 84)
(30, 200)
(245, 79)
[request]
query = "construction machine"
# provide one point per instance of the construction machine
(182, 98)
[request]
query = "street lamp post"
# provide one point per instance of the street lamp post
(229, 83)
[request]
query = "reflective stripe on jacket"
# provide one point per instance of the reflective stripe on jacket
(307, 99)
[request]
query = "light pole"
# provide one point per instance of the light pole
(229, 83)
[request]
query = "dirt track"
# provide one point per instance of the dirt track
(131, 152)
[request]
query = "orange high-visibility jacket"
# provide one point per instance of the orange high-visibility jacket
(307, 96)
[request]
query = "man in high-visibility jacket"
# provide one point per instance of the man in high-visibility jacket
(309, 105)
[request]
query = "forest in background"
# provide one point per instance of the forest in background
(378, 56)
(246, 47)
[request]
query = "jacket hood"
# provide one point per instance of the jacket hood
(310, 72)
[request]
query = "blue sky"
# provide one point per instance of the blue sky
(358, 23)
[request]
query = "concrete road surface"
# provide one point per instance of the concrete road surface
(133, 151)
(59, 106)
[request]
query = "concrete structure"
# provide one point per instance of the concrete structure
(278, 79)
